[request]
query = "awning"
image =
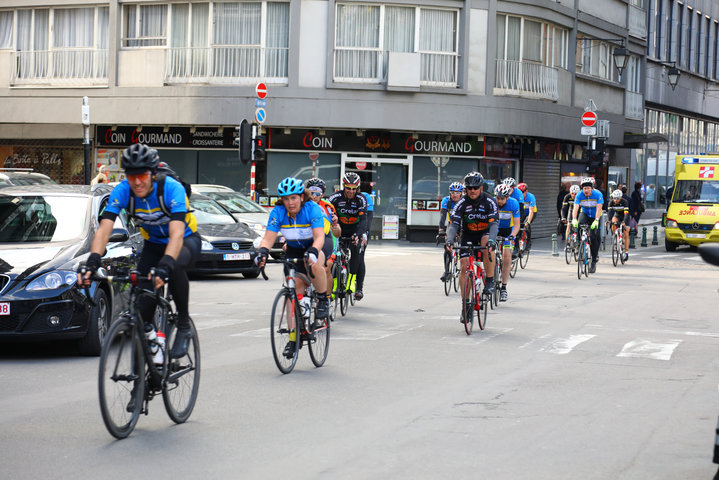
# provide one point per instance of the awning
(634, 140)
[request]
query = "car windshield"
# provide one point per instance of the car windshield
(31, 180)
(236, 202)
(696, 191)
(207, 211)
(41, 218)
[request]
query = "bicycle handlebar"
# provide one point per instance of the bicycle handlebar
(285, 261)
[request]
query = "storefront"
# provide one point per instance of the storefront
(61, 160)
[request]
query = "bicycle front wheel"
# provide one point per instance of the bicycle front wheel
(468, 294)
(182, 382)
(343, 292)
(615, 251)
(485, 298)
(282, 315)
(585, 257)
(580, 261)
(121, 380)
(320, 342)
(524, 253)
(568, 253)
(455, 274)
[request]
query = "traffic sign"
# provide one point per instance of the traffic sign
(260, 115)
(361, 165)
(313, 156)
(589, 119)
(589, 131)
(260, 103)
(261, 90)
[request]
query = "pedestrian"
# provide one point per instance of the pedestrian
(636, 207)
(563, 190)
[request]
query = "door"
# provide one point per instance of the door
(386, 180)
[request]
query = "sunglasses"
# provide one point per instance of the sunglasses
(133, 177)
(472, 188)
(316, 194)
(350, 188)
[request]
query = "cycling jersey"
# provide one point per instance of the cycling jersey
(475, 217)
(517, 195)
(508, 214)
(328, 210)
(567, 207)
(618, 210)
(154, 223)
(530, 203)
(298, 230)
(445, 209)
(350, 212)
(370, 202)
(588, 205)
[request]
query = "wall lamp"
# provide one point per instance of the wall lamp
(620, 54)
(673, 73)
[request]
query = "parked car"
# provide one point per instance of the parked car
(227, 244)
(10, 177)
(45, 231)
(204, 188)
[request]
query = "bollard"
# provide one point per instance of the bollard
(644, 237)
(555, 252)
(654, 236)
(632, 235)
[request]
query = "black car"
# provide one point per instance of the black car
(45, 232)
(227, 244)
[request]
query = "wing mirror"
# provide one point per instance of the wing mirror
(119, 235)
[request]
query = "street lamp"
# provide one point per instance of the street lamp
(673, 76)
(621, 56)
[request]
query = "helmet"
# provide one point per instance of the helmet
(617, 194)
(522, 187)
(316, 183)
(455, 187)
(351, 179)
(574, 189)
(473, 179)
(587, 182)
(502, 190)
(510, 181)
(138, 158)
(290, 186)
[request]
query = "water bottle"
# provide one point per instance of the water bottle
(156, 341)
(478, 284)
(305, 305)
(159, 354)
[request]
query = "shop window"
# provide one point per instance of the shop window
(427, 185)
(495, 170)
(184, 162)
(224, 168)
(299, 165)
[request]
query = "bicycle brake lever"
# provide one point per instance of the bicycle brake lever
(264, 275)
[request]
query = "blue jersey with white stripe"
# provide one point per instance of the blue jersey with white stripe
(298, 230)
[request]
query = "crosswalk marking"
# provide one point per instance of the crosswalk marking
(642, 348)
(563, 346)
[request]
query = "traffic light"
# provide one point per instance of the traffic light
(260, 144)
(245, 142)
(594, 160)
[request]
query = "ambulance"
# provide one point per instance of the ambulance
(693, 216)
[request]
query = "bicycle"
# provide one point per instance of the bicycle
(287, 315)
(584, 255)
(340, 277)
(523, 243)
(618, 245)
(452, 270)
(499, 260)
(606, 230)
(571, 248)
(128, 376)
(473, 292)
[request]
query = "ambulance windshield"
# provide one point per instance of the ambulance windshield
(696, 191)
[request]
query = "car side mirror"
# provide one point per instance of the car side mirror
(119, 235)
(664, 220)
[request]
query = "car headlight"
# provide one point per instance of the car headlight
(256, 242)
(259, 228)
(207, 245)
(672, 224)
(53, 280)
(716, 226)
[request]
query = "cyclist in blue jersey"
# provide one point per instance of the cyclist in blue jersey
(448, 204)
(316, 188)
(365, 240)
(517, 195)
(530, 211)
(590, 202)
(509, 221)
(170, 232)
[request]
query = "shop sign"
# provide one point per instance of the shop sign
(175, 137)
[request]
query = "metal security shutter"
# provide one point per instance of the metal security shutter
(542, 178)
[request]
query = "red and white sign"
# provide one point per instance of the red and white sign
(261, 90)
(361, 165)
(313, 156)
(706, 172)
(589, 119)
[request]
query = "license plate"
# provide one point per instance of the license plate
(4, 308)
(696, 235)
(236, 256)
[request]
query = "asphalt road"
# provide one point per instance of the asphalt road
(610, 377)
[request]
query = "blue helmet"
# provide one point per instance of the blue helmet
(290, 186)
(456, 187)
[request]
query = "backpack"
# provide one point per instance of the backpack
(161, 173)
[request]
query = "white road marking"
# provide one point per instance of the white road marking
(563, 346)
(534, 340)
(641, 348)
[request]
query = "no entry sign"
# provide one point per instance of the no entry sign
(261, 90)
(589, 119)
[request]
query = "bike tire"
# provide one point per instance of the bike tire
(351, 293)
(568, 254)
(615, 251)
(580, 261)
(468, 320)
(586, 257)
(448, 282)
(455, 274)
(343, 292)
(283, 309)
(121, 378)
(524, 253)
(334, 305)
(620, 241)
(182, 383)
(319, 344)
(513, 270)
(482, 314)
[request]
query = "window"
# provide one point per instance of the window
(365, 34)
(520, 39)
(144, 25)
(6, 24)
(632, 71)
(594, 57)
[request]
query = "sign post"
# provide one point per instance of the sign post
(260, 117)
(589, 118)
(86, 137)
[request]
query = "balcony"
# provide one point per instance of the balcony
(226, 65)
(525, 79)
(637, 22)
(634, 106)
(59, 67)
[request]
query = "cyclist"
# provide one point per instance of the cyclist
(517, 195)
(509, 219)
(477, 218)
(590, 201)
(448, 203)
(530, 211)
(617, 211)
(302, 223)
(568, 209)
(352, 212)
(171, 238)
(316, 188)
(368, 224)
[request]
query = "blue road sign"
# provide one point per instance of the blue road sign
(260, 115)
(260, 102)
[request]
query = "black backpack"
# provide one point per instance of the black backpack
(162, 171)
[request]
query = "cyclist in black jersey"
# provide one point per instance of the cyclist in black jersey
(568, 209)
(476, 216)
(351, 208)
(617, 210)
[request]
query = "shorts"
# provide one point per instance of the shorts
(475, 239)
(504, 233)
(299, 253)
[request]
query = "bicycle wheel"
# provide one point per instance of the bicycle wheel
(351, 293)
(282, 311)
(524, 253)
(513, 269)
(568, 254)
(320, 343)
(468, 291)
(182, 383)
(580, 261)
(448, 277)
(455, 273)
(343, 293)
(620, 242)
(615, 251)
(485, 298)
(335, 301)
(586, 256)
(121, 379)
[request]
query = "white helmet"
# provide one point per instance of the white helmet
(587, 182)
(617, 194)
(574, 189)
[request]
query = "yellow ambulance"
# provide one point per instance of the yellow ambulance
(693, 215)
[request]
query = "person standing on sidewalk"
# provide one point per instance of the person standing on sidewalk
(636, 205)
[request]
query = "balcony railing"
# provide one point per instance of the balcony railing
(60, 66)
(634, 108)
(226, 64)
(526, 79)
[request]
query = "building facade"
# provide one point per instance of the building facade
(411, 95)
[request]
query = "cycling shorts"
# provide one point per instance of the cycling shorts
(504, 233)
(475, 239)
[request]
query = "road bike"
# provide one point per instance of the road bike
(618, 245)
(473, 292)
(498, 264)
(524, 233)
(451, 269)
(606, 230)
(340, 278)
(128, 376)
(584, 253)
(288, 320)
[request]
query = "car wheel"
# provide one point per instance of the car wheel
(670, 246)
(254, 274)
(97, 325)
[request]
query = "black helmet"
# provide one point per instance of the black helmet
(316, 182)
(473, 179)
(138, 158)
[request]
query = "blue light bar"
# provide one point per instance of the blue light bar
(690, 160)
